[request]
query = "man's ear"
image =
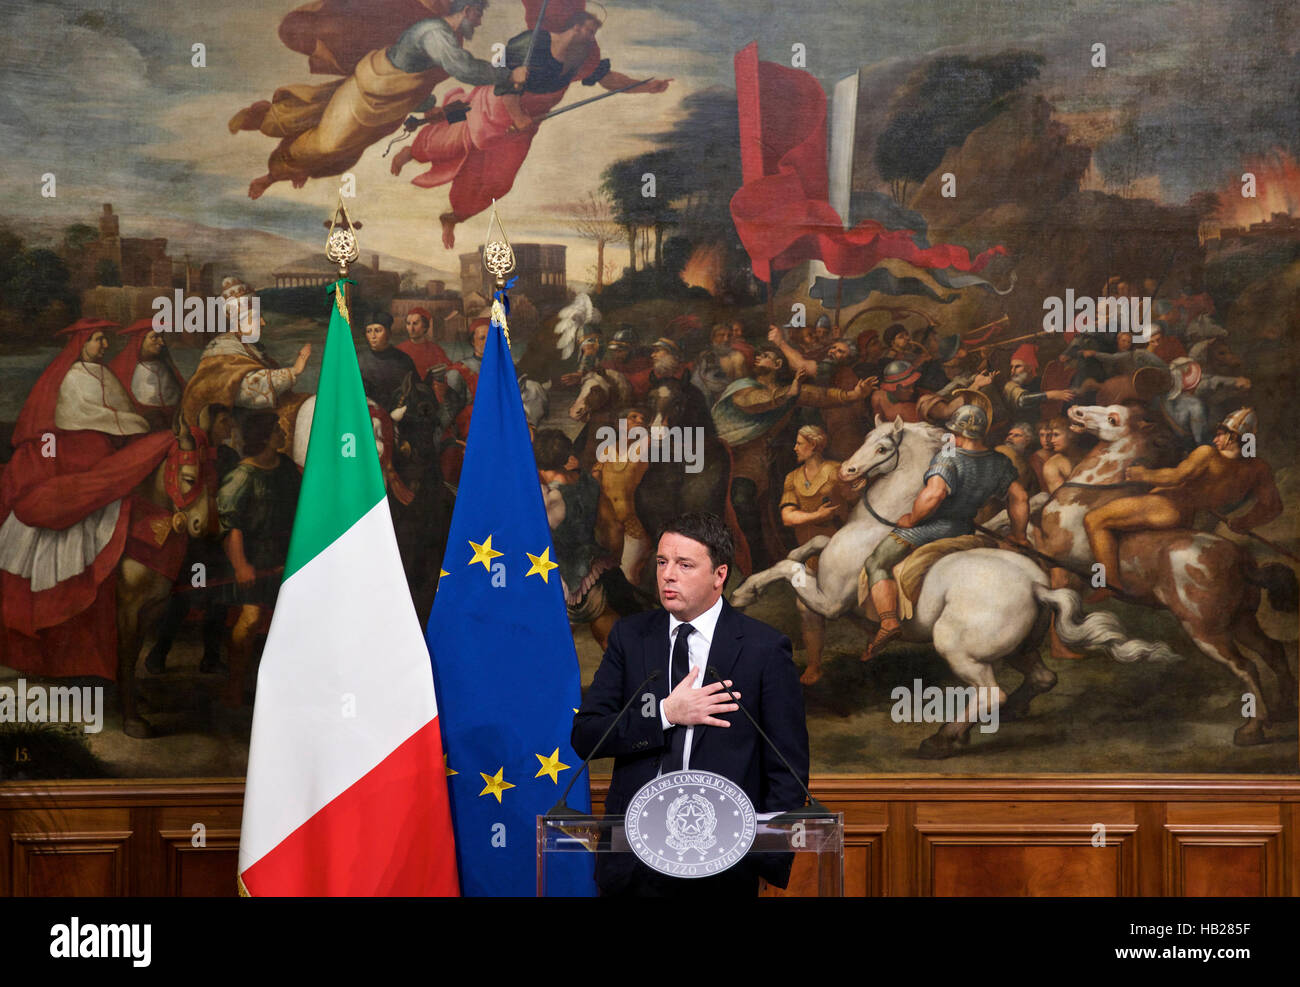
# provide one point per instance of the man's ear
(725, 570)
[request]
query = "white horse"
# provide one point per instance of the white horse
(977, 607)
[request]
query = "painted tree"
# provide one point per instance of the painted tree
(593, 219)
(938, 108)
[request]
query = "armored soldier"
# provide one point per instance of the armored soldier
(962, 477)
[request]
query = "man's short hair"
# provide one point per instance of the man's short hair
(773, 349)
(258, 430)
(578, 17)
(551, 449)
(892, 333)
(423, 313)
(707, 529)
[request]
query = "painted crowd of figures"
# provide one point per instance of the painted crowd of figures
(890, 478)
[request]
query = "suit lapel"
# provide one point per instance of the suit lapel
(724, 651)
(655, 655)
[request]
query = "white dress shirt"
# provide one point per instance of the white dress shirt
(698, 645)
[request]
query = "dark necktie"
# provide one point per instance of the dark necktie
(681, 655)
(680, 666)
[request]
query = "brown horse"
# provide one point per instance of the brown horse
(1211, 585)
(142, 591)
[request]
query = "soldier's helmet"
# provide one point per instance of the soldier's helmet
(624, 338)
(1241, 422)
(970, 420)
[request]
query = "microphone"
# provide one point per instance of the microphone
(561, 808)
(813, 808)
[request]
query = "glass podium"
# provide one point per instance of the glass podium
(820, 835)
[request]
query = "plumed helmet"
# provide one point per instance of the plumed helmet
(1241, 422)
(970, 420)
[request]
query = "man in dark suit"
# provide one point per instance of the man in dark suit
(684, 718)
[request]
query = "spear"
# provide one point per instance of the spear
(591, 99)
(1260, 538)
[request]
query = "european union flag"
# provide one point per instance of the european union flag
(504, 664)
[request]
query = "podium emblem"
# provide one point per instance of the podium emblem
(690, 824)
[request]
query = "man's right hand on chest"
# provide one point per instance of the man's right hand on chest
(689, 706)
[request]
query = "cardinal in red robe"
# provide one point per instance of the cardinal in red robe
(65, 511)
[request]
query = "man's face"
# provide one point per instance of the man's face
(635, 419)
(688, 583)
(803, 449)
(722, 339)
(817, 335)
(901, 341)
(1124, 342)
(586, 31)
(737, 332)
(152, 346)
(415, 324)
(767, 360)
(616, 353)
(480, 340)
(1020, 371)
(1018, 439)
(377, 334)
(473, 18)
(93, 350)
(590, 347)
(838, 352)
(904, 394)
(665, 364)
(1227, 443)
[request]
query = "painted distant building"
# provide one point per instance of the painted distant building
(317, 271)
(138, 261)
(540, 268)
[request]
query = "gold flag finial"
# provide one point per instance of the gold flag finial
(341, 246)
(498, 255)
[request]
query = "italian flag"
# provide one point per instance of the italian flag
(347, 791)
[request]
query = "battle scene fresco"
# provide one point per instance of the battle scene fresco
(976, 323)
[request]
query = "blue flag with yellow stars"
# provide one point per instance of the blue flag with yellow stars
(504, 664)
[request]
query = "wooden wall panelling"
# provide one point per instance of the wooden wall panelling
(1223, 850)
(914, 835)
(1009, 848)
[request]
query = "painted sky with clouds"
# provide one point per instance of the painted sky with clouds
(103, 94)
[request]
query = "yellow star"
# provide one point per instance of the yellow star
(484, 553)
(443, 572)
(542, 565)
(551, 766)
(495, 784)
(450, 770)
